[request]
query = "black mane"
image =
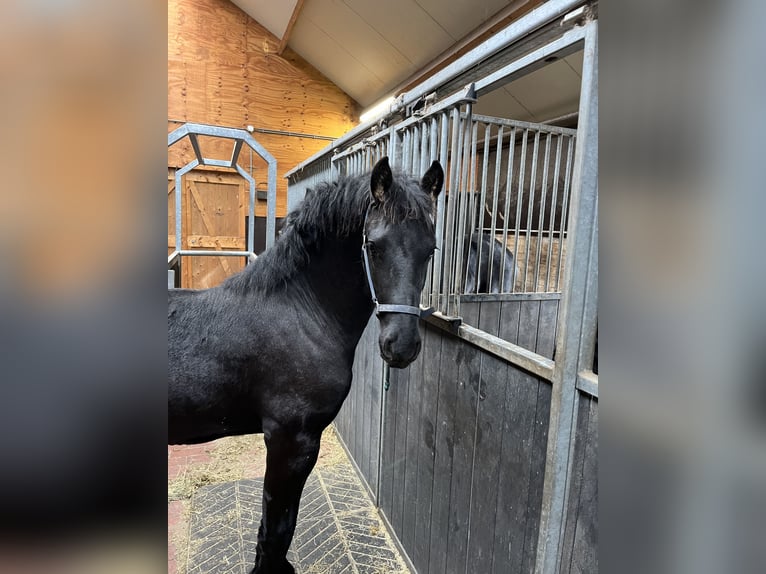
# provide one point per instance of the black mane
(333, 209)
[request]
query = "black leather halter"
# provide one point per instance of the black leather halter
(385, 307)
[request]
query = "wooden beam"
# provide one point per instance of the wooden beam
(286, 36)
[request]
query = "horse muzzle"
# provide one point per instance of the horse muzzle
(399, 349)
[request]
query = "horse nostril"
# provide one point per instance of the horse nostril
(388, 346)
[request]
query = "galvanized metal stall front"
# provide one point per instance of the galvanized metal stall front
(481, 456)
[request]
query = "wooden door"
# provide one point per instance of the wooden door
(213, 213)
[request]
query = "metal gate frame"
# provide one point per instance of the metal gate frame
(571, 373)
(239, 137)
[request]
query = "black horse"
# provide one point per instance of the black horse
(271, 349)
(479, 278)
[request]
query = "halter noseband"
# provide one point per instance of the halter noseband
(386, 308)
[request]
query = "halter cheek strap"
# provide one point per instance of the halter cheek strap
(384, 307)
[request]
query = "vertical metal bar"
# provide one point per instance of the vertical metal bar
(195, 146)
(449, 222)
(235, 152)
(508, 191)
(563, 235)
(541, 216)
(576, 310)
(457, 162)
(474, 203)
(432, 155)
(519, 200)
(179, 192)
(440, 214)
(465, 194)
(271, 205)
(482, 200)
(531, 205)
(424, 150)
(552, 221)
(407, 150)
(493, 222)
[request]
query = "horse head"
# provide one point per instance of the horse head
(399, 241)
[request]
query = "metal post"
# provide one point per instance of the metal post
(577, 302)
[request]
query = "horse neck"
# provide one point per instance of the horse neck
(336, 280)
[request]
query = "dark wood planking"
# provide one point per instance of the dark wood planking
(444, 453)
(487, 446)
(509, 321)
(401, 379)
(536, 475)
(529, 314)
(432, 352)
(376, 414)
(585, 547)
(515, 454)
(407, 536)
(468, 364)
(388, 446)
(575, 481)
(546, 328)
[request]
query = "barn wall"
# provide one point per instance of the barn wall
(223, 69)
(463, 456)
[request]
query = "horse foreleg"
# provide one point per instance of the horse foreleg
(289, 460)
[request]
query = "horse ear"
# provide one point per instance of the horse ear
(433, 180)
(381, 180)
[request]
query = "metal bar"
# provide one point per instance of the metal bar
(576, 299)
(195, 146)
(449, 223)
(525, 125)
(482, 200)
(235, 153)
(541, 215)
(564, 223)
(474, 204)
(493, 222)
(177, 134)
(216, 162)
(250, 208)
(514, 32)
(551, 222)
(213, 253)
(530, 206)
(440, 213)
(508, 190)
(271, 204)
(519, 197)
(179, 198)
(465, 195)
(561, 47)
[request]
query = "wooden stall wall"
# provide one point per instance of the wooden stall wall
(463, 455)
(579, 553)
(224, 70)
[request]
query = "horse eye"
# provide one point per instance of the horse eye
(372, 248)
